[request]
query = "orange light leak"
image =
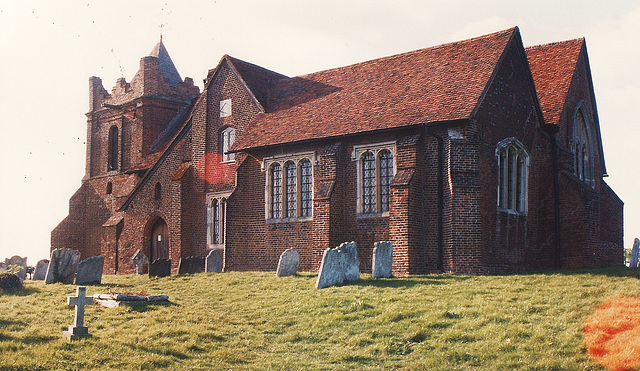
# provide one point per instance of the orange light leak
(212, 170)
(612, 333)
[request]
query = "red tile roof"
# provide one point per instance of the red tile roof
(552, 67)
(440, 83)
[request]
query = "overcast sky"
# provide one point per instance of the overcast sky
(49, 49)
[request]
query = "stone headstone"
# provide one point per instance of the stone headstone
(635, 251)
(139, 259)
(90, 270)
(9, 281)
(190, 265)
(78, 329)
(382, 259)
(63, 266)
(41, 270)
(19, 261)
(213, 263)
(288, 263)
(160, 268)
(338, 265)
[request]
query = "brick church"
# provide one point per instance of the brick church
(478, 156)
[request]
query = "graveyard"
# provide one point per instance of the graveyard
(256, 320)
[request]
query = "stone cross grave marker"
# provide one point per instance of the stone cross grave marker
(78, 329)
(139, 259)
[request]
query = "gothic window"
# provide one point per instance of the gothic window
(112, 156)
(290, 198)
(513, 164)
(581, 147)
(306, 188)
(368, 183)
(376, 168)
(228, 136)
(157, 192)
(386, 175)
(276, 191)
(216, 213)
(289, 187)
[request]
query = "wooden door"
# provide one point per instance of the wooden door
(159, 241)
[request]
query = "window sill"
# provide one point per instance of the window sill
(373, 215)
(512, 212)
(216, 246)
(290, 220)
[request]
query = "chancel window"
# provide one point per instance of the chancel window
(289, 192)
(513, 168)
(581, 148)
(227, 138)
(376, 168)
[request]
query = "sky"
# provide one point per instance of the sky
(49, 49)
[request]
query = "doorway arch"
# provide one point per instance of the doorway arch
(159, 240)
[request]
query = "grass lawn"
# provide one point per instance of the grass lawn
(249, 320)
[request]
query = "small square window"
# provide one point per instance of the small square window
(225, 108)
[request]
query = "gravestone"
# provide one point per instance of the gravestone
(338, 265)
(160, 268)
(9, 281)
(288, 263)
(139, 259)
(19, 261)
(190, 265)
(90, 270)
(41, 270)
(382, 259)
(635, 251)
(78, 329)
(62, 266)
(213, 263)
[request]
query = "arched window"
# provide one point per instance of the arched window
(215, 227)
(385, 159)
(368, 182)
(306, 188)
(289, 187)
(112, 157)
(290, 190)
(581, 148)
(157, 191)
(276, 191)
(228, 137)
(513, 167)
(109, 188)
(216, 218)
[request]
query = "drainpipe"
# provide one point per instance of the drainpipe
(440, 197)
(552, 130)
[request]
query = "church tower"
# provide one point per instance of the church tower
(122, 129)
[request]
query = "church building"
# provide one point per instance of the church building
(479, 156)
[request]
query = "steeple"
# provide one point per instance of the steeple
(167, 68)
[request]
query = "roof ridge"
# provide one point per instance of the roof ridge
(540, 46)
(405, 54)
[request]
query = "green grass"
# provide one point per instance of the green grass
(248, 320)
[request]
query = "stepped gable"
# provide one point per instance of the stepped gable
(552, 66)
(440, 83)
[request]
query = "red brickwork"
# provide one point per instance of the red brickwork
(444, 123)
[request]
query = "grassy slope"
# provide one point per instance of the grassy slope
(255, 321)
